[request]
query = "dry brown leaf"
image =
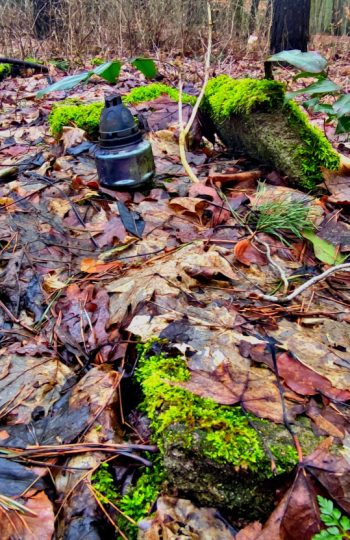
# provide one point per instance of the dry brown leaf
(72, 136)
(94, 266)
(28, 527)
(168, 275)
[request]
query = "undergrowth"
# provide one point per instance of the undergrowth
(5, 70)
(138, 500)
(338, 526)
(281, 215)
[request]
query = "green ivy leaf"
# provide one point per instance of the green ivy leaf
(343, 125)
(345, 523)
(324, 108)
(323, 86)
(109, 70)
(327, 253)
(308, 74)
(146, 66)
(66, 83)
(342, 105)
(310, 62)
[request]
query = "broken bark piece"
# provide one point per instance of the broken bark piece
(252, 116)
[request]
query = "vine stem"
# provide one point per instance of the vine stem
(184, 130)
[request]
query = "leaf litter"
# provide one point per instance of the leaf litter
(87, 272)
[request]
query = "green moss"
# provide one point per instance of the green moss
(225, 433)
(84, 116)
(137, 502)
(225, 96)
(33, 60)
(316, 150)
(97, 61)
(153, 91)
(87, 116)
(5, 70)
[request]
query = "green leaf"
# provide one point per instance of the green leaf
(343, 125)
(311, 62)
(66, 83)
(324, 108)
(109, 70)
(308, 74)
(345, 523)
(333, 530)
(342, 105)
(327, 253)
(146, 66)
(323, 86)
(311, 103)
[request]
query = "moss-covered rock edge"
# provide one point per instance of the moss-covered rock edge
(73, 111)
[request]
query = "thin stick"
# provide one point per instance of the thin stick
(281, 300)
(184, 130)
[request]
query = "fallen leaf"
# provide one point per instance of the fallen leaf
(30, 527)
(180, 518)
(72, 136)
(248, 254)
(324, 251)
(94, 266)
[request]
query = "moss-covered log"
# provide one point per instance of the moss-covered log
(251, 116)
(214, 454)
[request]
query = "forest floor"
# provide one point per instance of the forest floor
(87, 273)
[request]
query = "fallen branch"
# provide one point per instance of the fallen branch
(24, 63)
(184, 130)
(283, 299)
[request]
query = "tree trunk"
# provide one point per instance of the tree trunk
(253, 13)
(290, 25)
(44, 17)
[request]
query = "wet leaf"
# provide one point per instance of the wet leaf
(146, 66)
(306, 61)
(28, 527)
(324, 251)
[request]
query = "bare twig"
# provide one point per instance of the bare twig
(283, 299)
(274, 264)
(184, 130)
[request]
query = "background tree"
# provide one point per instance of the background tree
(290, 25)
(44, 13)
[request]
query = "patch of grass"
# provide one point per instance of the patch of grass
(281, 215)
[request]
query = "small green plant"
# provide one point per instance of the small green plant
(313, 65)
(97, 61)
(138, 500)
(103, 482)
(5, 70)
(280, 215)
(338, 526)
(109, 71)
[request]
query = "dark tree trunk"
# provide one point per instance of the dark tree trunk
(290, 25)
(44, 12)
